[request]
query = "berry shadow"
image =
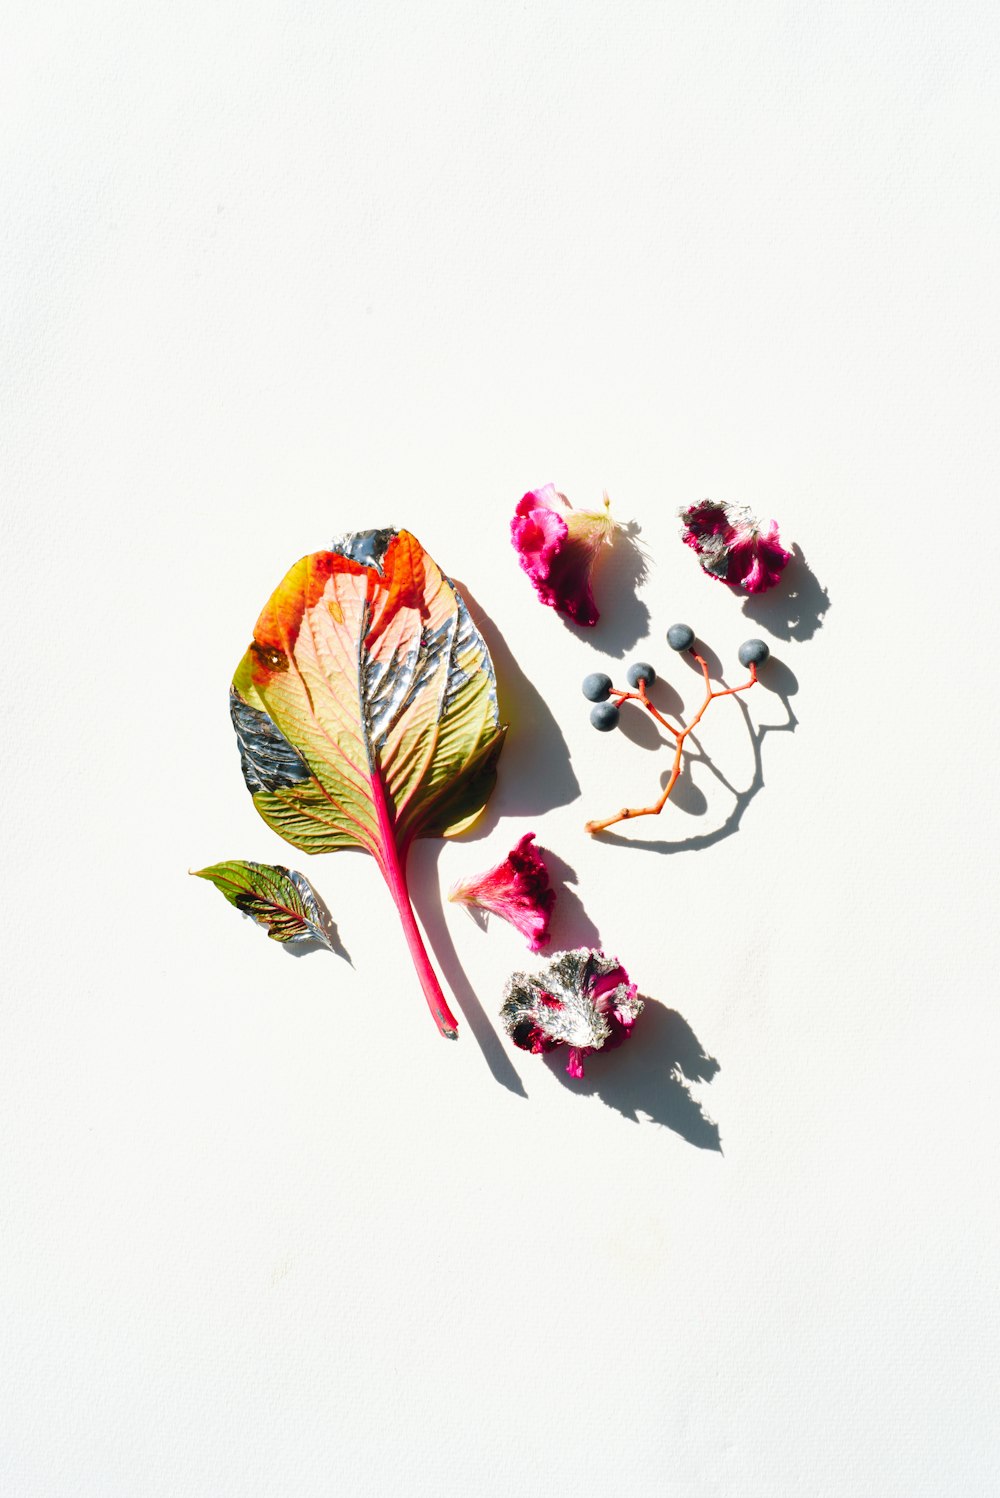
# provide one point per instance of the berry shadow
(665, 697)
(641, 729)
(686, 796)
(651, 1075)
(535, 774)
(621, 570)
(776, 678)
(794, 609)
(708, 655)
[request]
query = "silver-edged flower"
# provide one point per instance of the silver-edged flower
(581, 999)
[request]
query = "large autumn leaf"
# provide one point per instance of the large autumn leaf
(366, 712)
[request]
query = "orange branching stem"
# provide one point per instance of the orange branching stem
(680, 734)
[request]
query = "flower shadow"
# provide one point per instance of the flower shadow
(796, 607)
(620, 572)
(535, 774)
(776, 678)
(571, 926)
(651, 1075)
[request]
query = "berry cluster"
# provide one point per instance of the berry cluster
(598, 688)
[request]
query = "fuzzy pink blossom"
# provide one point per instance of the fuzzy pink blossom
(734, 546)
(580, 999)
(557, 547)
(517, 890)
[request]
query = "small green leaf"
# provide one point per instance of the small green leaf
(279, 899)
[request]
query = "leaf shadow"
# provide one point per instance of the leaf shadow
(795, 608)
(303, 949)
(312, 944)
(652, 1075)
(776, 678)
(535, 774)
(425, 891)
(621, 570)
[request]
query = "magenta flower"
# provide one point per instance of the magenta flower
(557, 547)
(580, 999)
(734, 546)
(517, 890)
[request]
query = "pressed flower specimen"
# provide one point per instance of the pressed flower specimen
(608, 699)
(582, 1000)
(517, 890)
(734, 546)
(558, 546)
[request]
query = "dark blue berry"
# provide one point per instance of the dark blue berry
(754, 652)
(596, 686)
(604, 716)
(640, 671)
(680, 637)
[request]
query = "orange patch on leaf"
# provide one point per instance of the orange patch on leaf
(402, 584)
(301, 587)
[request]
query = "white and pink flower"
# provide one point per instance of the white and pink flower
(516, 890)
(558, 546)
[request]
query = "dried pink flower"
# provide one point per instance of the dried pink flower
(557, 547)
(517, 890)
(580, 999)
(734, 546)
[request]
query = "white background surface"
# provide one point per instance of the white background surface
(273, 272)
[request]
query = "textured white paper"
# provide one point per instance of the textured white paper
(271, 272)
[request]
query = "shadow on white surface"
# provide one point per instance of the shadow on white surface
(571, 926)
(651, 1075)
(620, 572)
(429, 904)
(650, 1078)
(535, 774)
(796, 607)
(639, 728)
(303, 948)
